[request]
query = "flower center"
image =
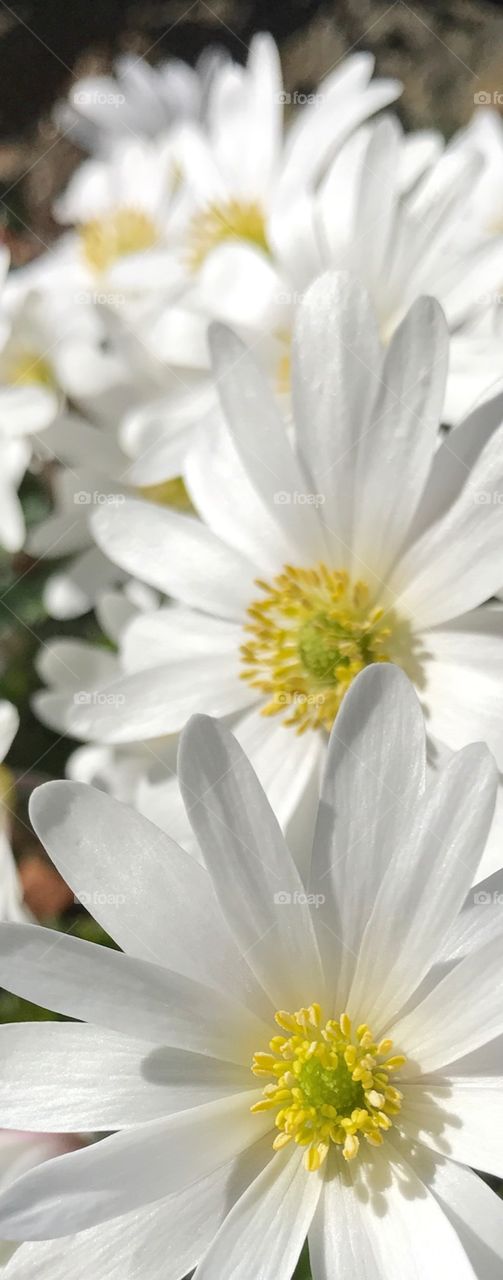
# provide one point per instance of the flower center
(170, 493)
(233, 220)
(124, 231)
(309, 637)
(27, 368)
(327, 1085)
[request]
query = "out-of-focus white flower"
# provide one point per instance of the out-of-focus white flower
(362, 542)
(137, 100)
(28, 404)
(279, 1058)
(20, 1152)
(11, 895)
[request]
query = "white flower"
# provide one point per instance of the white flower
(11, 894)
(368, 543)
(137, 99)
(27, 405)
(401, 227)
(20, 1152)
(278, 1059)
(75, 670)
(485, 133)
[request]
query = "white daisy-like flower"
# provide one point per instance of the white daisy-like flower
(360, 542)
(28, 404)
(20, 1152)
(485, 133)
(279, 1059)
(75, 670)
(151, 210)
(136, 100)
(402, 228)
(11, 893)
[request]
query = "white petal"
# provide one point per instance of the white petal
(463, 673)
(425, 885)
(379, 1221)
(138, 881)
(262, 445)
(336, 374)
(178, 555)
(9, 722)
(268, 1224)
(168, 1238)
(173, 633)
(64, 1078)
(258, 885)
(227, 501)
(130, 1169)
(127, 995)
(476, 1214)
(462, 1013)
(150, 704)
(374, 771)
(456, 564)
(401, 435)
(459, 1118)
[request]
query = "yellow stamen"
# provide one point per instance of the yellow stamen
(231, 220)
(170, 493)
(322, 1088)
(105, 240)
(308, 638)
(27, 368)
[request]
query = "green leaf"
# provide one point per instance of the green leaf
(303, 1270)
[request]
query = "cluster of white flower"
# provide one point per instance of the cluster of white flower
(262, 369)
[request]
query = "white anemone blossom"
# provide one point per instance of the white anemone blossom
(20, 1152)
(402, 228)
(361, 541)
(278, 1058)
(137, 100)
(11, 894)
(27, 407)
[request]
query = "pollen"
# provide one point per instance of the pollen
(328, 1085)
(231, 220)
(169, 493)
(28, 368)
(308, 637)
(105, 240)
